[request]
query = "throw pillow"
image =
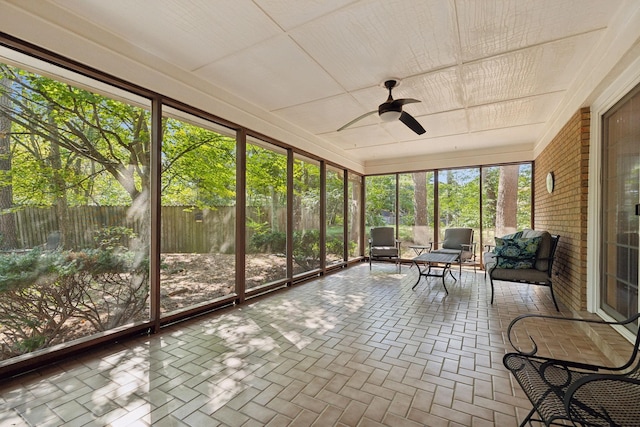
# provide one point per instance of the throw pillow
(515, 235)
(517, 253)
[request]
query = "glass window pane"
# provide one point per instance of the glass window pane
(74, 197)
(306, 214)
(416, 208)
(198, 212)
(380, 200)
(266, 224)
(621, 181)
(506, 200)
(355, 211)
(459, 199)
(335, 216)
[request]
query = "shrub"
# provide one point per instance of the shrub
(42, 292)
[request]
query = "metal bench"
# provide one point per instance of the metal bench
(578, 393)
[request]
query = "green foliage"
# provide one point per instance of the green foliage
(265, 239)
(335, 245)
(74, 145)
(43, 293)
(306, 249)
(380, 199)
(113, 238)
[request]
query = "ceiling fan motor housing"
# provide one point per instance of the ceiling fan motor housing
(390, 110)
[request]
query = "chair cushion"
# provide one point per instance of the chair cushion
(454, 238)
(518, 253)
(383, 236)
(383, 251)
(529, 275)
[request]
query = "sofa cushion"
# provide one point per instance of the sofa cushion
(518, 253)
(544, 248)
(530, 275)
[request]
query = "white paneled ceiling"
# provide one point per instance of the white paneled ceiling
(491, 74)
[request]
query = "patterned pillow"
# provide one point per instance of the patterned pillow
(517, 253)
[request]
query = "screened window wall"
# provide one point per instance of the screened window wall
(306, 215)
(335, 216)
(75, 209)
(266, 214)
(198, 194)
(380, 202)
(492, 200)
(416, 211)
(82, 162)
(355, 207)
(620, 200)
(506, 200)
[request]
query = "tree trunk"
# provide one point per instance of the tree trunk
(354, 213)
(60, 192)
(420, 229)
(8, 233)
(507, 203)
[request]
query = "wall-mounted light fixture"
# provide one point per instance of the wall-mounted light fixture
(551, 182)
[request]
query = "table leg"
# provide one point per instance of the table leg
(444, 274)
(419, 275)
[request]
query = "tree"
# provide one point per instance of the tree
(8, 234)
(420, 207)
(82, 148)
(507, 200)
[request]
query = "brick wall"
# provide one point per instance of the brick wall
(564, 211)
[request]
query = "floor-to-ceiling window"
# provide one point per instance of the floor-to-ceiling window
(120, 210)
(266, 213)
(74, 203)
(458, 200)
(506, 200)
(620, 199)
(198, 211)
(492, 200)
(380, 199)
(354, 211)
(416, 208)
(306, 214)
(334, 216)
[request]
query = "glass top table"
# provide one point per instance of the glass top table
(435, 265)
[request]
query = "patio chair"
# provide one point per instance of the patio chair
(460, 241)
(383, 244)
(582, 394)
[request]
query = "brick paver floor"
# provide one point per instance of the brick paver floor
(353, 348)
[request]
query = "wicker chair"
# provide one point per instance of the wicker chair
(579, 393)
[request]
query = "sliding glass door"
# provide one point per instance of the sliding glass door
(620, 225)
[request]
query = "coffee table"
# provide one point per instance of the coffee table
(435, 265)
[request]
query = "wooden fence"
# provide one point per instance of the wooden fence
(181, 231)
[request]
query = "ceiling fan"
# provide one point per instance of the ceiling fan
(391, 110)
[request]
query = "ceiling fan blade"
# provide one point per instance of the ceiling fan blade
(403, 101)
(412, 123)
(357, 118)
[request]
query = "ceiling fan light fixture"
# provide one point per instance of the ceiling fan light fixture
(390, 116)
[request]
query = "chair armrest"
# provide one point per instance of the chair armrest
(469, 247)
(489, 248)
(520, 318)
